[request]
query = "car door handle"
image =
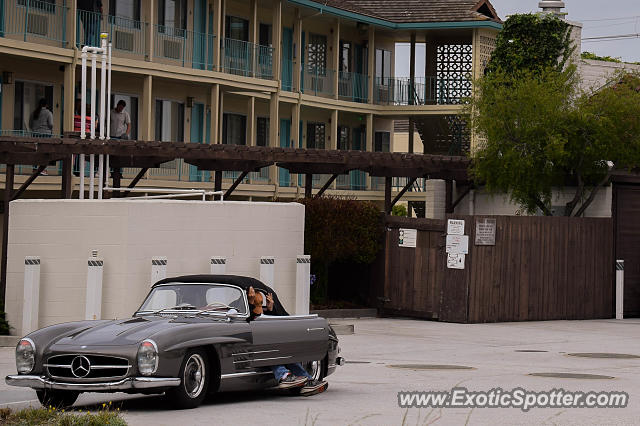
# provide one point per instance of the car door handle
(314, 329)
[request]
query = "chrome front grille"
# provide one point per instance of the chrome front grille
(85, 366)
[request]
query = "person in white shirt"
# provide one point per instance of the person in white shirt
(120, 121)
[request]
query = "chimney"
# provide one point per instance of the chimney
(552, 6)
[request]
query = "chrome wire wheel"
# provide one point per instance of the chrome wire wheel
(314, 368)
(194, 375)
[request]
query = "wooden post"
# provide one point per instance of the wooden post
(277, 38)
(218, 24)
(412, 131)
(67, 165)
(336, 59)
(448, 196)
(251, 121)
(412, 70)
(217, 186)
(372, 64)
(214, 100)
(387, 195)
(308, 185)
(8, 192)
(298, 51)
(147, 128)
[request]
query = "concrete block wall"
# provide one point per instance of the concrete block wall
(127, 234)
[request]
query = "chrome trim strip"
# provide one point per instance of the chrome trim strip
(256, 352)
(38, 382)
(93, 367)
(57, 366)
(261, 359)
(245, 374)
(315, 329)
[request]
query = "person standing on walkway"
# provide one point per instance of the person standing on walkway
(90, 16)
(120, 122)
(41, 123)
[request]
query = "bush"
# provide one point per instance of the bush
(342, 230)
(399, 210)
(5, 328)
(53, 417)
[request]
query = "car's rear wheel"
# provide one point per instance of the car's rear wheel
(194, 380)
(57, 398)
(316, 369)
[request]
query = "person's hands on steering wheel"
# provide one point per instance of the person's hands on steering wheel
(269, 302)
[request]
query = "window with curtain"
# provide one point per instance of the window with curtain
(262, 131)
(236, 28)
(234, 129)
(172, 14)
(169, 121)
(315, 135)
(345, 56)
(343, 138)
(383, 66)
(382, 142)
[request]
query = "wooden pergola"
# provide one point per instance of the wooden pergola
(218, 158)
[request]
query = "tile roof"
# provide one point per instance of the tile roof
(413, 11)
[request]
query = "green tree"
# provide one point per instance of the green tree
(542, 133)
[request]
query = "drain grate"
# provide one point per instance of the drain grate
(430, 367)
(573, 376)
(530, 350)
(605, 355)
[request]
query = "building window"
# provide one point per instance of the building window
(169, 121)
(265, 35)
(26, 100)
(383, 66)
(262, 132)
(234, 129)
(236, 28)
(345, 56)
(343, 138)
(382, 142)
(317, 54)
(315, 135)
(127, 9)
(172, 14)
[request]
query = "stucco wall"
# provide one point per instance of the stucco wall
(127, 234)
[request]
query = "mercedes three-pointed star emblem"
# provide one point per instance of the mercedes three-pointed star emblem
(80, 366)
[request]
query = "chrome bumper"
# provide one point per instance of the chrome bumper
(39, 382)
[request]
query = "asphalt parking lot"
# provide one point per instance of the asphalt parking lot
(364, 391)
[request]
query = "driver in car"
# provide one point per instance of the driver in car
(290, 375)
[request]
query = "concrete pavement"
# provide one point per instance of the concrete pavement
(364, 391)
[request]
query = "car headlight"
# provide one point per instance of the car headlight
(147, 357)
(25, 355)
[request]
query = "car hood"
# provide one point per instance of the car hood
(128, 331)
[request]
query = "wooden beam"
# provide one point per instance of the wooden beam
(326, 186)
(67, 188)
(387, 195)
(27, 182)
(401, 193)
(135, 181)
(117, 181)
(308, 185)
(235, 184)
(8, 192)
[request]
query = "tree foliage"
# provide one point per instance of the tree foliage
(532, 42)
(541, 130)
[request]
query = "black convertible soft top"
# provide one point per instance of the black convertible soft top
(237, 280)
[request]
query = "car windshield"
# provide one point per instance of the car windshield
(208, 297)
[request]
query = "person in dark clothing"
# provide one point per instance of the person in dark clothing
(90, 16)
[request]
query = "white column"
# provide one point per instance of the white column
(303, 284)
(218, 265)
(158, 269)
(267, 266)
(31, 301)
(435, 199)
(94, 288)
(619, 288)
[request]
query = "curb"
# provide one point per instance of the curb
(343, 329)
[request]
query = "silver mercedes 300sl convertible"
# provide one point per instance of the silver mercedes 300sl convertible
(192, 336)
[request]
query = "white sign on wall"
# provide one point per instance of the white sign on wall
(407, 237)
(455, 227)
(455, 260)
(458, 244)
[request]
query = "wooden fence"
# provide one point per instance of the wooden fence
(540, 268)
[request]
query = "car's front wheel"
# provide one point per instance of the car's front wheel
(194, 380)
(57, 398)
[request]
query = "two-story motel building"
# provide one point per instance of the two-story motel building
(290, 73)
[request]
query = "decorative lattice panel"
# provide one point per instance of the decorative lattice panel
(454, 70)
(444, 135)
(486, 46)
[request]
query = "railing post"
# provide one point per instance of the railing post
(184, 46)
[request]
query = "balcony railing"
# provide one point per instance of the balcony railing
(32, 19)
(183, 47)
(353, 86)
(317, 81)
(425, 91)
(126, 35)
(247, 59)
(356, 180)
